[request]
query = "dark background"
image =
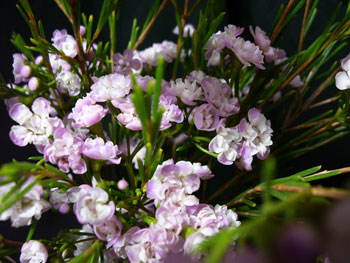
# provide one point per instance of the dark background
(240, 13)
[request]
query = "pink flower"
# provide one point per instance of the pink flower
(86, 113)
(112, 87)
(218, 94)
(18, 64)
(35, 126)
(187, 91)
(65, 151)
(108, 230)
(98, 149)
(248, 53)
(127, 62)
(205, 117)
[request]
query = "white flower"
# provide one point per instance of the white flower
(342, 80)
(92, 207)
(33, 252)
(35, 127)
(68, 82)
(31, 205)
(186, 90)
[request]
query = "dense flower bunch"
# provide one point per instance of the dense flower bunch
(64, 142)
(104, 124)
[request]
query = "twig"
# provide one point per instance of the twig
(59, 4)
(322, 87)
(193, 7)
(10, 259)
(37, 31)
(76, 30)
(314, 191)
(277, 29)
(142, 37)
(307, 125)
(10, 243)
(241, 213)
(301, 39)
(324, 102)
(297, 112)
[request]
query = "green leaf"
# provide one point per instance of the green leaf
(107, 8)
(20, 44)
(308, 171)
(158, 87)
(268, 171)
(154, 9)
(321, 176)
(206, 151)
(134, 33)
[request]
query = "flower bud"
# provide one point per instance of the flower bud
(64, 209)
(122, 184)
(82, 30)
(25, 71)
(38, 60)
(33, 84)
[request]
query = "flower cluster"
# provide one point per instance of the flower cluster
(31, 205)
(171, 189)
(242, 142)
(245, 51)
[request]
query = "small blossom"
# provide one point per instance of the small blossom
(260, 38)
(58, 64)
(33, 252)
(65, 151)
(248, 53)
(65, 42)
(187, 30)
(18, 64)
(112, 87)
(187, 91)
(86, 113)
(128, 115)
(25, 71)
(171, 113)
(58, 198)
(126, 63)
(98, 149)
(122, 184)
(166, 49)
(109, 229)
(342, 80)
(31, 205)
(218, 94)
(68, 82)
(92, 207)
(205, 117)
(35, 126)
(225, 144)
(33, 83)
